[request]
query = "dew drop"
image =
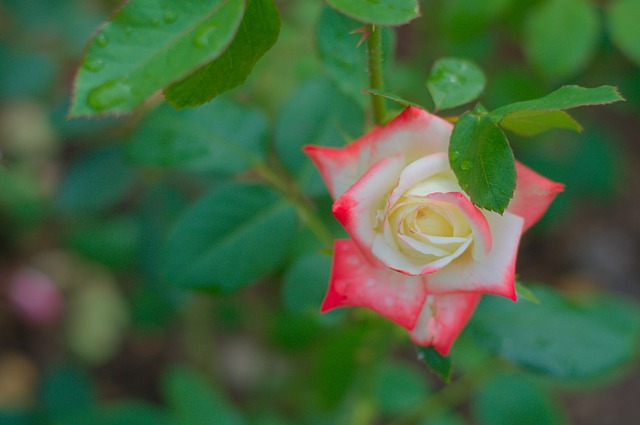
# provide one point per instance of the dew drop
(466, 165)
(203, 34)
(102, 40)
(93, 65)
(109, 94)
(170, 16)
(454, 156)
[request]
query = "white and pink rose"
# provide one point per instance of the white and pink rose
(420, 253)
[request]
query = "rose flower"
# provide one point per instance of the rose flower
(420, 253)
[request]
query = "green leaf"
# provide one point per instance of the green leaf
(531, 123)
(467, 19)
(560, 36)
(125, 413)
(221, 137)
(379, 12)
(513, 399)
(258, 32)
(622, 17)
(342, 57)
(66, 389)
(525, 293)
(439, 364)
(233, 236)
(194, 402)
(399, 387)
(96, 182)
(317, 114)
(566, 97)
(305, 282)
(454, 82)
(147, 45)
(482, 160)
(393, 97)
(559, 337)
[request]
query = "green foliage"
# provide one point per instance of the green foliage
(622, 16)
(514, 399)
(566, 97)
(399, 387)
(258, 32)
(222, 137)
(606, 329)
(194, 402)
(378, 12)
(96, 182)
(560, 36)
(331, 119)
(482, 160)
(439, 364)
(454, 82)
(148, 45)
(343, 57)
(233, 236)
(531, 122)
(304, 282)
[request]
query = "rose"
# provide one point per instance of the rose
(420, 253)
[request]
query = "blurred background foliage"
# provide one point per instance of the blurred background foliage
(107, 228)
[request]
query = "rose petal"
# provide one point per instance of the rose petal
(357, 208)
(493, 274)
(533, 195)
(442, 319)
(476, 219)
(414, 133)
(355, 282)
(420, 170)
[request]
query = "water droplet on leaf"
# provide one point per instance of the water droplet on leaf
(454, 156)
(170, 16)
(93, 65)
(466, 165)
(203, 34)
(102, 40)
(109, 94)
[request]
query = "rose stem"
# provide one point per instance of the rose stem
(374, 62)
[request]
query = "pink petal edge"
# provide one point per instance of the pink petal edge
(356, 282)
(533, 195)
(413, 133)
(442, 319)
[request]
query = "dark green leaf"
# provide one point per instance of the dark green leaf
(380, 12)
(439, 364)
(147, 45)
(566, 97)
(560, 36)
(530, 123)
(623, 25)
(95, 182)
(467, 19)
(194, 402)
(343, 59)
(66, 389)
(512, 399)
(392, 97)
(317, 114)
(112, 242)
(305, 282)
(231, 237)
(221, 137)
(482, 160)
(258, 32)
(454, 82)
(558, 337)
